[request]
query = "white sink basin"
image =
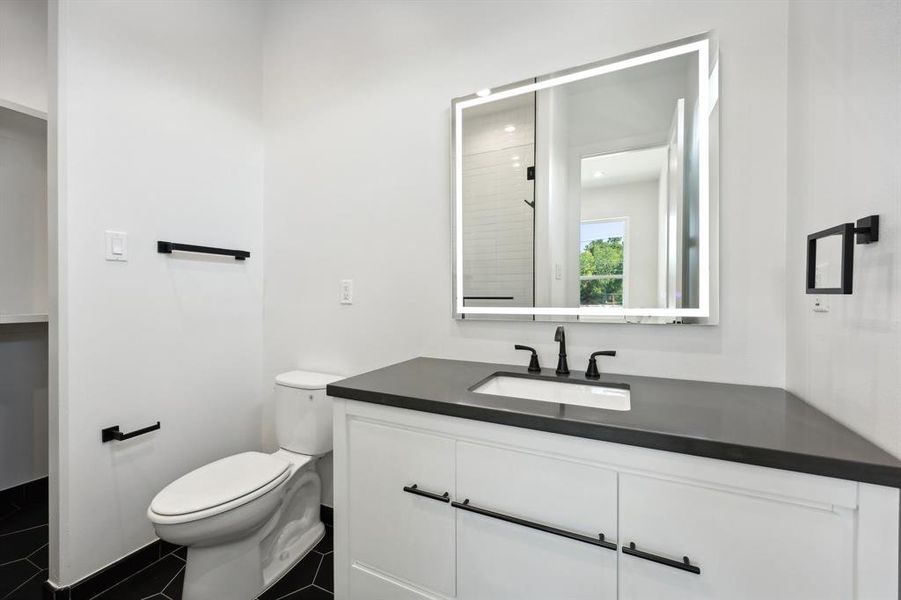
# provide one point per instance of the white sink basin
(559, 392)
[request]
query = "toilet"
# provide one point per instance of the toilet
(248, 518)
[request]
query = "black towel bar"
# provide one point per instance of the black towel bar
(170, 247)
(110, 434)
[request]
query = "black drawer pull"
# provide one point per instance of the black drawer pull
(598, 541)
(414, 489)
(685, 565)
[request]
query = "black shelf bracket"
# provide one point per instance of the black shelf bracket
(111, 434)
(170, 247)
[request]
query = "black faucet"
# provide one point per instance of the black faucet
(534, 367)
(562, 368)
(592, 372)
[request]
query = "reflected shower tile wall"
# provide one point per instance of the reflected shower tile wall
(497, 224)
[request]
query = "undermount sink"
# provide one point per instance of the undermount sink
(578, 393)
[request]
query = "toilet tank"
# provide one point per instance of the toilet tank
(303, 412)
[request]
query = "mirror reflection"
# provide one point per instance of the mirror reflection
(585, 193)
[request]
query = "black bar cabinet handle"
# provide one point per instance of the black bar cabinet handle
(598, 541)
(685, 565)
(112, 433)
(170, 247)
(414, 489)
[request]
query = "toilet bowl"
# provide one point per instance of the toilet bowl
(248, 518)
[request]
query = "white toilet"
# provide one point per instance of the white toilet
(246, 519)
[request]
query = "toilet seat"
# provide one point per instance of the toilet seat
(218, 487)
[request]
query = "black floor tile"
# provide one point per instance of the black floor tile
(327, 514)
(11, 496)
(325, 578)
(298, 577)
(32, 590)
(173, 589)
(145, 583)
(14, 546)
(7, 509)
(31, 515)
(115, 573)
(40, 557)
(325, 545)
(167, 548)
(36, 492)
(15, 574)
(310, 593)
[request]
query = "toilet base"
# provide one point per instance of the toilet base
(276, 571)
(225, 572)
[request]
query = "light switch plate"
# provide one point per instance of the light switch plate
(116, 246)
(347, 291)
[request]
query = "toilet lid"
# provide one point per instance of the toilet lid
(218, 483)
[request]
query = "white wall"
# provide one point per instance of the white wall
(23, 53)
(843, 138)
(23, 291)
(551, 196)
(23, 214)
(637, 201)
(356, 113)
(23, 403)
(159, 135)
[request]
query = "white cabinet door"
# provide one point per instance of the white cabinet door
(501, 555)
(402, 535)
(746, 548)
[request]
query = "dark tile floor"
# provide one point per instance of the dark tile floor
(23, 541)
(311, 579)
(23, 561)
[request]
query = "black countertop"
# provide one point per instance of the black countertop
(762, 426)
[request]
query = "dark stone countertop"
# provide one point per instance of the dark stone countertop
(762, 426)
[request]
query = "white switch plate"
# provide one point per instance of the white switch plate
(116, 246)
(347, 291)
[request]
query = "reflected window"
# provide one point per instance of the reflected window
(602, 272)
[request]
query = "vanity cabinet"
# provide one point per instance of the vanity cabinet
(504, 513)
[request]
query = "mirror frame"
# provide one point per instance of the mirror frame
(708, 192)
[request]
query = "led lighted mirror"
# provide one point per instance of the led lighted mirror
(590, 194)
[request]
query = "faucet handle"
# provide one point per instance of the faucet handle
(534, 367)
(592, 372)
